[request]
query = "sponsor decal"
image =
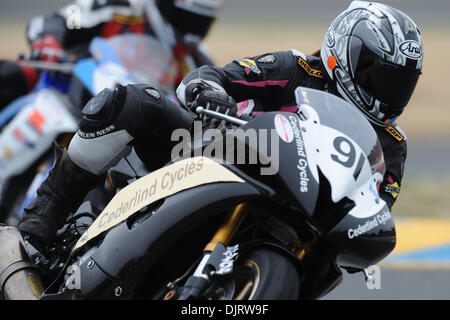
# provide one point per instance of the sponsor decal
(73, 281)
(392, 188)
(91, 135)
(21, 138)
(411, 48)
(284, 128)
(249, 65)
(395, 133)
(37, 120)
(377, 220)
(270, 58)
(153, 93)
(159, 184)
(308, 69)
(226, 265)
(128, 20)
(6, 153)
(18, 134)
(302, 164)
(329, 38)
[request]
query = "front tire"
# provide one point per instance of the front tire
(262, 274)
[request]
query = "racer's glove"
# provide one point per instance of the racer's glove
(217, 101)
(200, 95)
(47, 49)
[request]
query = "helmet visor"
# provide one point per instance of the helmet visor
(390, 83)
(187, 18)
(188, 22)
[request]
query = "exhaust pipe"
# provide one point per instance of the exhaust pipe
(19, 277)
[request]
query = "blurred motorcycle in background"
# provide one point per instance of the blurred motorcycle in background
(51, 112)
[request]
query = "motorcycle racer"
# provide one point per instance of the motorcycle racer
(371, 56)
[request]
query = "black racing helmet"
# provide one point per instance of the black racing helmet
(191, 18)
(373, 55)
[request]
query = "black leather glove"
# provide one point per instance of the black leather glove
(200, 95)
(217, 101)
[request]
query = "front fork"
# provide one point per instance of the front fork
(198, 282)
(223, 235)
(228, 228)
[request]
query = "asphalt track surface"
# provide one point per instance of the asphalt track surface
(417, 269)
(396, 284)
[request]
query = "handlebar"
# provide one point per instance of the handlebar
(220, 116)
(63, 67)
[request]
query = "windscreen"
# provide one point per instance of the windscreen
(145, 59)
(338, 114)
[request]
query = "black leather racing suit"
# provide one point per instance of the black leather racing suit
(270, 80)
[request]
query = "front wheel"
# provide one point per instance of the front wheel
(262, 274)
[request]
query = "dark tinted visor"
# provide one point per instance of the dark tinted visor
(185, 21)
(390, 83)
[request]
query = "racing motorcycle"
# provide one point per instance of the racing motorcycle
(30, 124)
(210, 227)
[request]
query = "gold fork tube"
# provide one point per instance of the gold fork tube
(228, 229)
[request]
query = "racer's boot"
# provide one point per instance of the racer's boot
(60, 194)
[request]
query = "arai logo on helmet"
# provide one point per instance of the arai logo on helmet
(329, 38)
(411, 48)
(284, 128)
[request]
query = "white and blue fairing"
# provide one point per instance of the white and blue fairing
(40, 118)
